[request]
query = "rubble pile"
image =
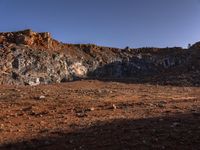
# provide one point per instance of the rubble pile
(32, 58)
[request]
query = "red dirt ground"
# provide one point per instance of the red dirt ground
(99, 115)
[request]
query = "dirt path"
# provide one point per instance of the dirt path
(99, 115)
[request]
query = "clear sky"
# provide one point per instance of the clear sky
(116, 23)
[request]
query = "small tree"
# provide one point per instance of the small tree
(127, 48)
(189, 46)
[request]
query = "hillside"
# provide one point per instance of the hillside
(33, 58)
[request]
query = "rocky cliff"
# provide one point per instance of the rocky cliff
(32, 58)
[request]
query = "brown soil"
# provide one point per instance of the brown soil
(99, 115)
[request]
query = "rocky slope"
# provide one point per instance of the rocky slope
(32, 58)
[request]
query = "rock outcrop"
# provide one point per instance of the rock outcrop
(33, 58)
(30, 38)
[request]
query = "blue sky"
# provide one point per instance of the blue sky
(116, 23)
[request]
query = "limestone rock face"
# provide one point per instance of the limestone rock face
(32, 58)
(78, 69)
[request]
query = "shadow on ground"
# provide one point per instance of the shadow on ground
(140, 72)
(180, 131)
